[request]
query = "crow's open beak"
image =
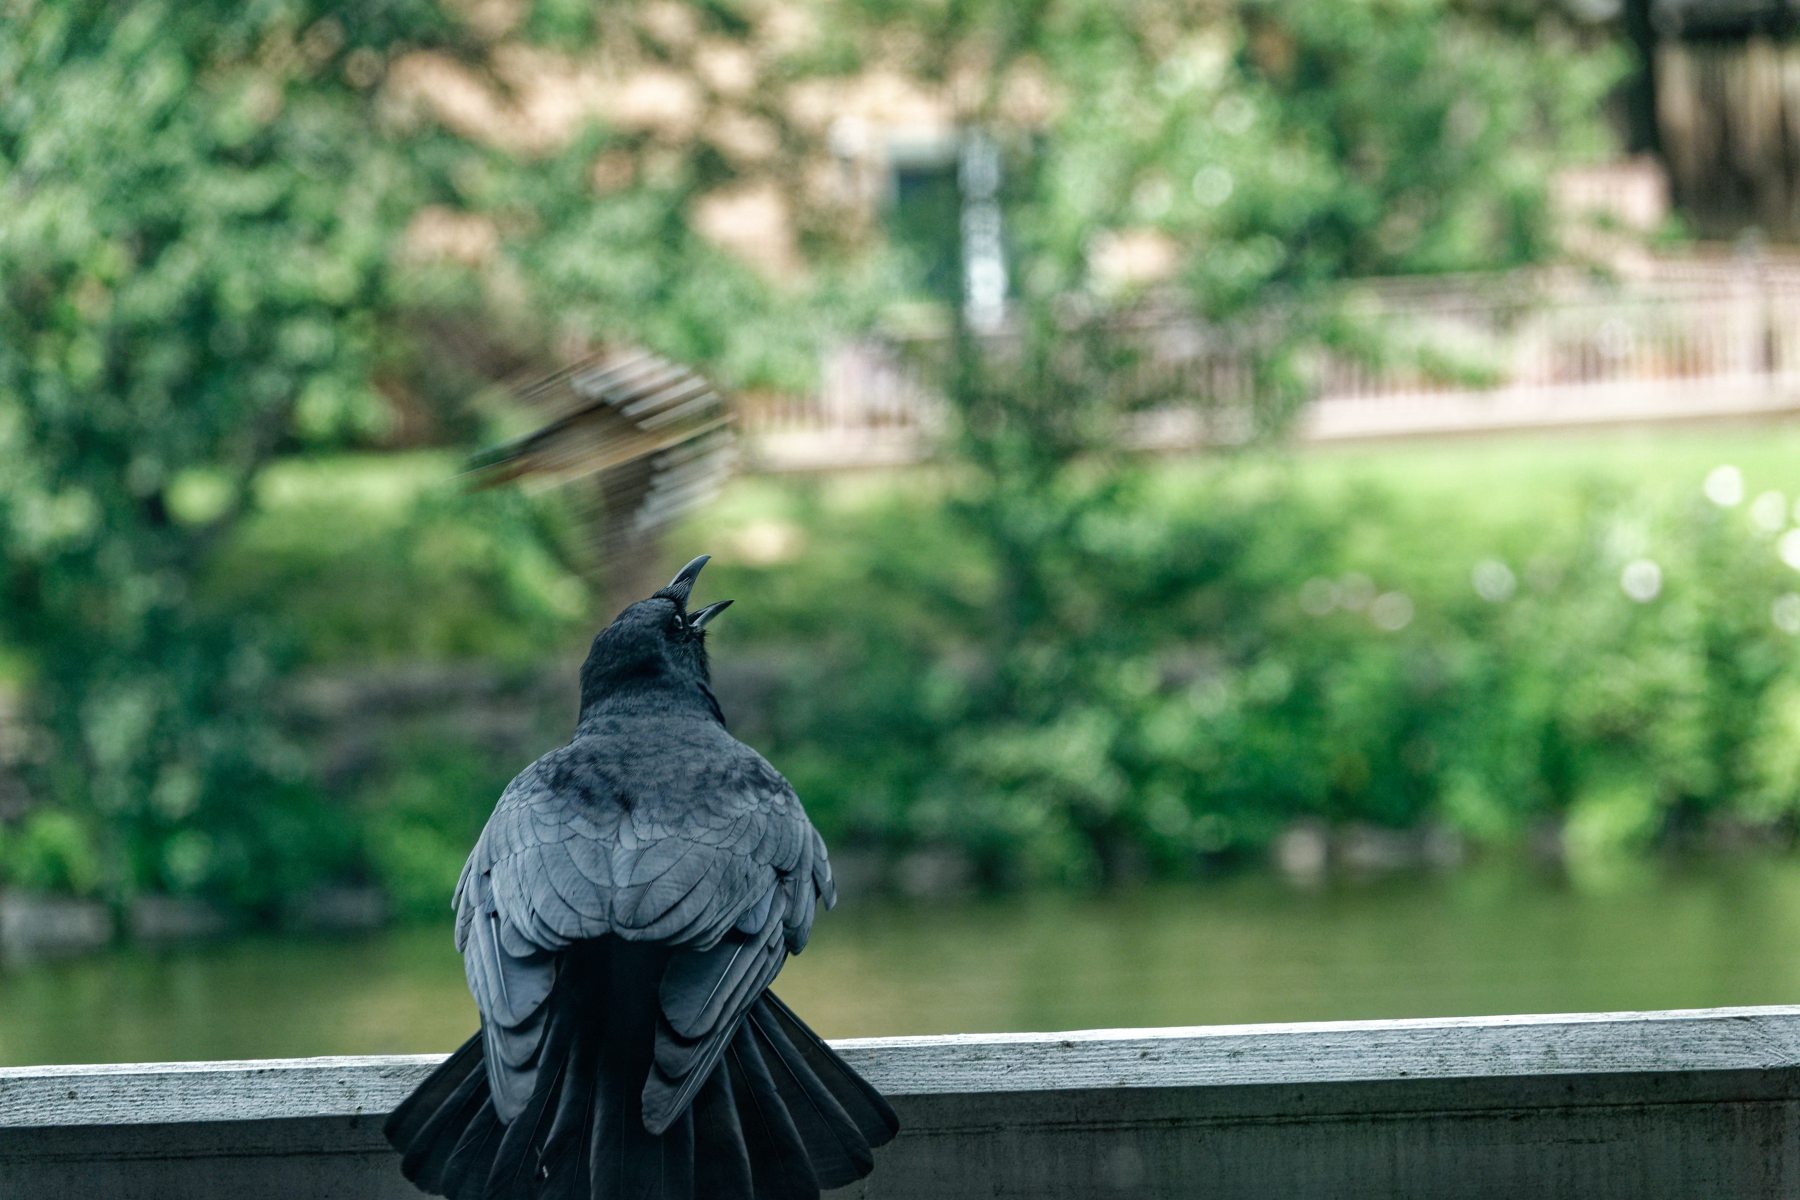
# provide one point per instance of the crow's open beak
(683, 583)
(699, 619)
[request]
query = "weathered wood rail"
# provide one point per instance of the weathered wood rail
(1702, 1103)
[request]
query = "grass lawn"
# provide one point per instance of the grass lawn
(384, 557)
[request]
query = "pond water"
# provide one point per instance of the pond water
(1485, 939)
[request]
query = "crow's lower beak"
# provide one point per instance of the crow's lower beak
(683, 583)
(699, 619)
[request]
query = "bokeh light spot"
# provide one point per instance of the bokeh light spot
(1493, 580)
(1785, 612)
(1212, 185)
(1725, 486)
(1789, 548)
(1391, 611)
(1769, 512)
(1642, 580)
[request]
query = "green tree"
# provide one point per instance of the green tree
(201, 274)
(1262, 156)
(204, 270)
(193, 263)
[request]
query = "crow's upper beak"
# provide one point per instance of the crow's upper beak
(699, 619)
(683, 583)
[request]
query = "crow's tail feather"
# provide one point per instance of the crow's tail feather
(443, 1116)
(780, 1117)
(867, 1108)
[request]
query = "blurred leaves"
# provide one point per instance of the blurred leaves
(1183, 692)
(250, 256)
(195, 249)
(199, 276)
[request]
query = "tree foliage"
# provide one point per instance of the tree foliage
(1440, 636)
(203, 274)
(210, 263)
(193, 261)
(1226, 172)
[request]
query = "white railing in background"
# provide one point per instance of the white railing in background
(1659, 340)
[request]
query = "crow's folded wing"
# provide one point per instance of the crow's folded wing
(721, 849)
(705, 992)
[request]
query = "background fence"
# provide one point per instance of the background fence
(1656, 340)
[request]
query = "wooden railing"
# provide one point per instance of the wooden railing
(1666, 340)
(1632, 1106)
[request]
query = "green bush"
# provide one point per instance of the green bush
(420, 824)
(1203, 653)
(51, 851)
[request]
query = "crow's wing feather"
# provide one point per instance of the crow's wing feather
(698, 987)
(708, 992)
(511, 985)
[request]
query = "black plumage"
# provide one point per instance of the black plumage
(620, 919)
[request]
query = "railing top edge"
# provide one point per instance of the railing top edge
(1316, 1028)
(378, 1062)
(1716, 1039)
(226, 1066)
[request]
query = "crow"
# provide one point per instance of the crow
(620, 919)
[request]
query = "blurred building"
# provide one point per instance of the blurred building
(1724, 88)
(1712, 130)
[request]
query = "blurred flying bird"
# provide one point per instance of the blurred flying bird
(649, 440)
(620, 919)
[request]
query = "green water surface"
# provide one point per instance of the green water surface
(1486, 939)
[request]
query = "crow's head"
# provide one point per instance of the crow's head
(654, 646)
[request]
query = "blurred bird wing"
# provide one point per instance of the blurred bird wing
(614, 409)
(647, 439)
(583, 444)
